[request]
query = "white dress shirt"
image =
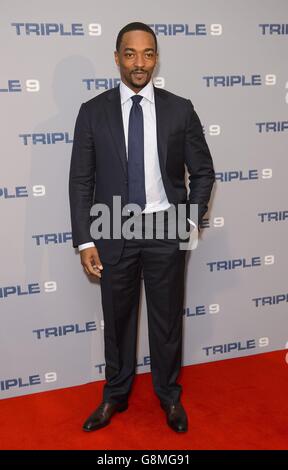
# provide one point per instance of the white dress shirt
(156, 199)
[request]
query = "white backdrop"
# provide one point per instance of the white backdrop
(230, 59)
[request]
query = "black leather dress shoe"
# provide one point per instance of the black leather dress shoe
(102, 415)
(176, 416)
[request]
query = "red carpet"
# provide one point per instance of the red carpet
(232, 404)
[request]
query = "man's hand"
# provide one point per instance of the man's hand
(91, 262)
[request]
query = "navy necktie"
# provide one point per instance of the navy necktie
(136, 173)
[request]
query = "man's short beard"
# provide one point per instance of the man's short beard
(138, 85)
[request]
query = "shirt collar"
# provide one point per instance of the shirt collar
(126, 92)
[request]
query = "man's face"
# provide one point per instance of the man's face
(137, 58)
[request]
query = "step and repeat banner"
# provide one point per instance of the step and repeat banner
(230, 59)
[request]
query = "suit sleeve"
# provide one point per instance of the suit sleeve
(199, 163)
(82, 179)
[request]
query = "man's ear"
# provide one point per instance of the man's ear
(157, 57)
(116, 57)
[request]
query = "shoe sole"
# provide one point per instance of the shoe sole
(177, 430)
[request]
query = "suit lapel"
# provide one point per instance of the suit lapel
(162, 125)
(115, 121)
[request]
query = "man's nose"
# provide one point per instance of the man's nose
(139, 60)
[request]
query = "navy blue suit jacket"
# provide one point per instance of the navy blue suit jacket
(98, 168)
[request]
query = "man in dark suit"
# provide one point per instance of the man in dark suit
(134, 142)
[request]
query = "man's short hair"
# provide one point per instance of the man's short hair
(135, 26)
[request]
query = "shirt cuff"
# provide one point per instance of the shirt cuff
(85, 245)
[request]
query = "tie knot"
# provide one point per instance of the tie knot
(136, 99)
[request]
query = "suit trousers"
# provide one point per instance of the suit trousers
(162, 265)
